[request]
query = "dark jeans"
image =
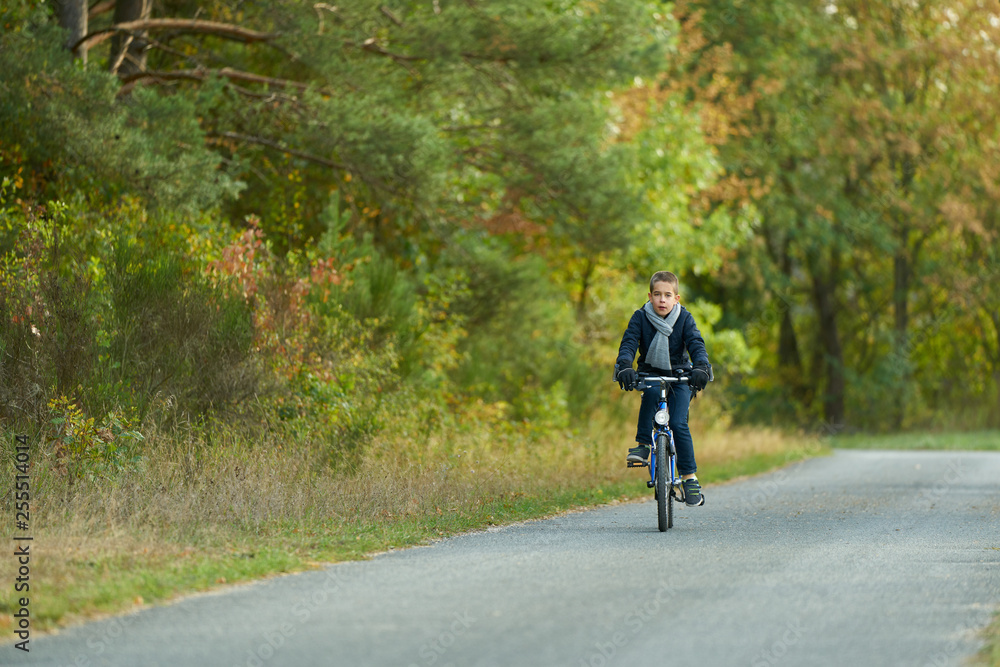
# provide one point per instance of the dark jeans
(678, 402)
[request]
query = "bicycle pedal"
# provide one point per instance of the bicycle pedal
(633, 464)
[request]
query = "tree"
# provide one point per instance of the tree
(64, 128)
(767, 93)
(73, 17)
(871, 117)
(414, 112)
(425, 130)
(912, 86)
(128, 49)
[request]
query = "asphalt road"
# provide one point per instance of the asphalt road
(862, 558)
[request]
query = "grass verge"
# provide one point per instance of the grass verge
(979, 440)
(990, 655)
(195, 516)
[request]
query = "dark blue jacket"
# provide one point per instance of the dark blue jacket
(686, 344)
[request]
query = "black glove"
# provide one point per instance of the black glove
(627, 379)
(699, 378)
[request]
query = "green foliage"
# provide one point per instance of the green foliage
(592, 208)
(381, 297)
(852, 169)
(14, 13)
(85, 448)
(72, 132)
(451, 204)
(47, 334)
(520, 336)
(168, 332)
(731, 355)
(111, 309)
(675, 165)
(424, 125)
(416, 113)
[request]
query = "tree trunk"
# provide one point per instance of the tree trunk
(788, 346)
(902, 275)
(72, 16)
(128, 50)
(581, 304)
(901, 312)
(824, 298)
(789, 358)
(778, 248)
(901, 291)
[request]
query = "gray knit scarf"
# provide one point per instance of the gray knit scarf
(658, 354)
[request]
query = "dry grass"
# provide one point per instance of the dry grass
(187, 489)
(211, 506)
(720, 448)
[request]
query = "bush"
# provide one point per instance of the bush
(46, 341)
(113, 317)
(83, 447)
(170, 332)
(53, 112)
(520, 347)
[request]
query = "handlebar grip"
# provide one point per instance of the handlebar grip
(644, 380)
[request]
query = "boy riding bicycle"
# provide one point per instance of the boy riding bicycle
(667, 339)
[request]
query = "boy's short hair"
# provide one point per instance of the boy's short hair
(664, 277)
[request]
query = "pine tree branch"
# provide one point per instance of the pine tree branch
(372, 181)
(226, 30)
(166, 48)
(371, 46)
(269, 96)
(392, 17)
(99, 8)
(201, 74)
(121, 54)
(276, 145)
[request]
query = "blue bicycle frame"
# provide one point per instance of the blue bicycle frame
(663, 477)
(646, 382)
(671, 458)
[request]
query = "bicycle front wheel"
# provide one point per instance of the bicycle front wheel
(664, 499)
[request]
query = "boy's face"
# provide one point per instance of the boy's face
(663, 297)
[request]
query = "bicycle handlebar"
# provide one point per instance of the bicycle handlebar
(665, 378)
(683, 377)
(651, 380)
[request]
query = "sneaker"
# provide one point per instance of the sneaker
(638, 454)
(692, 493)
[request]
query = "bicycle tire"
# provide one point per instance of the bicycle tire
(664, 501)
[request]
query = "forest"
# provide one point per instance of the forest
(225, 200)
(300, 234)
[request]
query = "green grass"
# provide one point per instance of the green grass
(755, 464)
(250, 513)
(86, 571)
(116, 574)
(976, 440)
(989, 656)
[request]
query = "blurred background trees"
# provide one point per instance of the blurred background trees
(869, 139)
(309, 208)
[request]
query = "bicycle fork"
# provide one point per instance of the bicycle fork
(676, 485)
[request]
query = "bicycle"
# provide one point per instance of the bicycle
(663, 477)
